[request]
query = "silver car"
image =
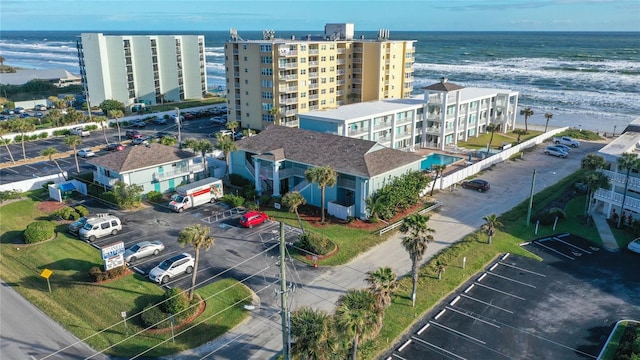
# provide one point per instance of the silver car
(555, 151)
(143, 249)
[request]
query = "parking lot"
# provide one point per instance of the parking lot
(248, 255)
(519, 308)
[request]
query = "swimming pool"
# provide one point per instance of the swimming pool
(437, 159)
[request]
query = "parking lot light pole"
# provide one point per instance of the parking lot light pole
(533, 182)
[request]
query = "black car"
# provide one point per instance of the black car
(133, 134)
(476, 184)
(161, 134)
(114, 147)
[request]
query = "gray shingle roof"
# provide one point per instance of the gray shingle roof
(443, 86)
(21, 77)
(141, 157)
(346, 155)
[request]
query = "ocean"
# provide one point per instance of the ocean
(588, 80)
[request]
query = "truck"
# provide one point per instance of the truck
(565, 140)
(80, 132)
(197, 193)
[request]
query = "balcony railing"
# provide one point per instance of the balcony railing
(358, 131)
(178, 172)
(105, 180)
(615, 198)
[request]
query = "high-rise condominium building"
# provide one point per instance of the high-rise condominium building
(149, 69)
(271, 80)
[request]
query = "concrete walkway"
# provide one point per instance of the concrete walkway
(608, 240)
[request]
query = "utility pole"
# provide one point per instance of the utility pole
(283, 297)
(179, 126)
(533, 182)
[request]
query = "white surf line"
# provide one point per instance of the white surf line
(510, 279)
(428, 344)
(554, 250)
(523, 269)
(473, 317)
(486, 303)
(458, 332)
(573, 246)
(500, 291)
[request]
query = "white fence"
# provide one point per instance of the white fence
(456, 177)
(32, 184)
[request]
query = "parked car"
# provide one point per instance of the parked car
(133, 134)
(161, 134)
(114, 147)
(138, 123)
(101, 226)
(253, 218)
(566, 141)
(634, 246)
(143, 249)
(141, 140)
(86, 153)
(225, 132)
(476, 184)
(75, 226)
(25, 115)
(172, 267)
(555, 151)
(160, 121)
(18, 110)
(563, 147)
(38, 114)
(80, 132)
(40, 107)
(218, 120)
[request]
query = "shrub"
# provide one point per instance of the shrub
(175, 301)
(9, 195)
(63, 132)
(238, 180)
(81, 210)
(233, 200)
(67, 213)
(153, 316)
(155, 196)
(43, 135)
(549, 217)
(91, 127)
(39, 231)
(97, 275)
(249, 192)
(316, 243)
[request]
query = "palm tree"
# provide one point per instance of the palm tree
(323, 176)
(593, 162)
(627, 161)
(382, 284)
(438, 168)
(519, 132)
(492, 128)
(227, 146)
(103, 121)
(74, 117)
(3, 131)
(594, 180)
(374, 205)
(358, 316)
(73, 141)
(547, 116)
(232, 125)
(276, 115)
(117, 114)
(49, 152)
(22, 126)
(55, 116)
(293, 200)
(312, 334)
(203, 146)
(416, 243)
(199, 237)
(491, 224)
(527, 113)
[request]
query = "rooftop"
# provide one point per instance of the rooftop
(367, 109)
(141, 157)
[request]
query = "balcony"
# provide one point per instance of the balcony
(357, 132)
(287, 89)
(289, 101)
(104, 180)
(346, 183)
(630, 203)
(291, 65)
(288, 77)
(382, 125)
(178, 172)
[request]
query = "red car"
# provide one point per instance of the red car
(253, 218)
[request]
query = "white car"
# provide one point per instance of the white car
(86, 153)
(634, 246)
(172, 267)
(555, 151)
(143, 249)
(225, 133)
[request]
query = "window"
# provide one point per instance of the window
(266, 60)
(323, 80)
(323, 70)
(323, 58)
(303, 47)
(323, 91)
(244, 46)
(246, 70)
(245, 58)
(332, 79)
(266, 71)
(303, 60)
(267, 83)
(114, 223)
(264, 48)
(105, 225)
(323, 102)
(332, 68)
(323, 47)
(303, 71)
(303, 94)
(332, 58)
(267, 95)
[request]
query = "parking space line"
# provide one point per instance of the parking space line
(522, 269)
(486, 303)
(554, 250)
(512, 280)
(573, 246)
(428, 344)
(457, 332)
(440, 313)
(473, 317)
(10, 169)
(500, 291)
(422, 329)
(404, 345)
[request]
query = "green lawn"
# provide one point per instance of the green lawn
(481, 141)
(93, 311)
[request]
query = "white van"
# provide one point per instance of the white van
(98, 227)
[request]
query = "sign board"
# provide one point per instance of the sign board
(277, 206)
(46, 273)
(113, 262)
(112, 250)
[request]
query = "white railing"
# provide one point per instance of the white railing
(105, 180)
(630, 203)
(340, 211)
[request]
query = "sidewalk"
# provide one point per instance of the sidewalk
(461, 214)
(608, 240)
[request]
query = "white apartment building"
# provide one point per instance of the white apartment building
(420, 120)
(149, 69)
(272, 80)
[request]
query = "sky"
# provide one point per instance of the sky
(366, 15)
